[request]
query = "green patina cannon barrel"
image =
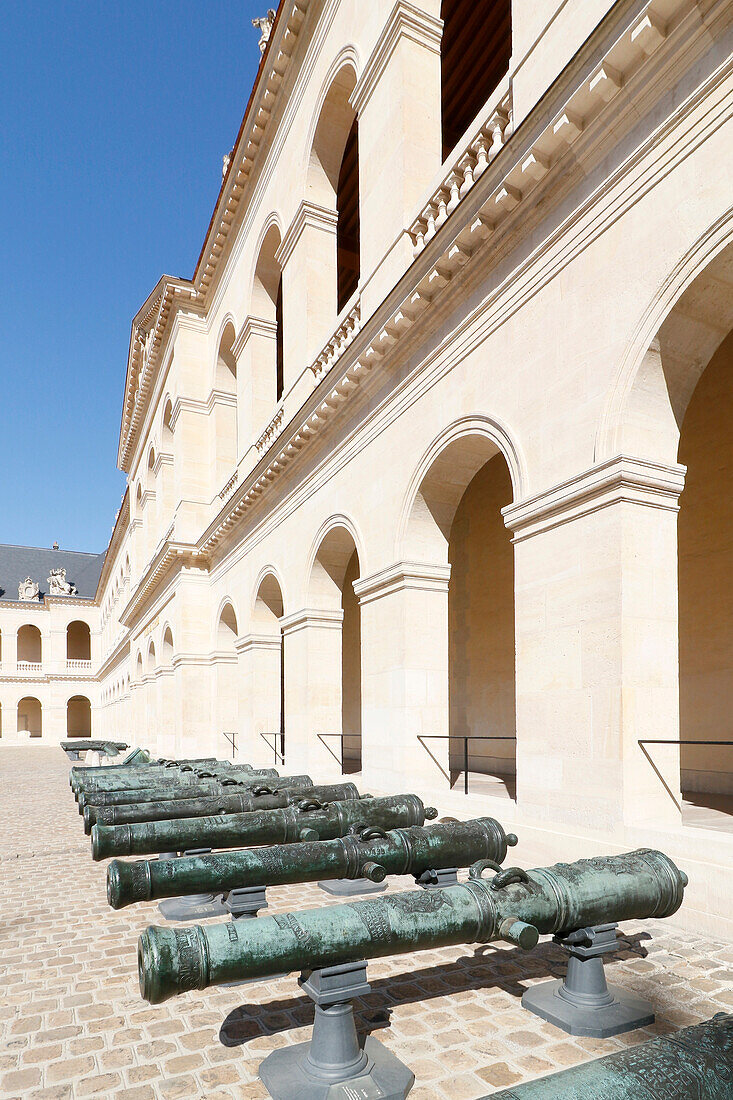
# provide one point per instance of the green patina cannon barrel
(194, 789)
(307, 820)
(136, 758)
(79, 776)
(517, 906)
(107, 779)
(265, 796)
(694, 1064)
(90, 745)
(171, 785)
(371, 853)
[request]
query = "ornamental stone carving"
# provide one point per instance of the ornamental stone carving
(28, 590)
(264, 25)
(58, 584)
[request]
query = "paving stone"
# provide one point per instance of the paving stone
(72, 1020)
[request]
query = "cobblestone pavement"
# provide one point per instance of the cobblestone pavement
(72, 1023)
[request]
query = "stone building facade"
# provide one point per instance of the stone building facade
(428, 462)
(49, 635)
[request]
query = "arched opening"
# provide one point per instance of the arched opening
(166, 434)
(167, 648)
(29, 645)
(139, 668)
(79, 717)
(225, 422)
(30, 717)
(333, 181)
(78, 641)
(266, 357)
(347, 225)
(225, 709)
(475, 52)
(150, 668)
(227, 633)
(678, 407)
(335, 568)
(456, 519)
(705, 555)
(267, 682)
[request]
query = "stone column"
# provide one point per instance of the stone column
(312, 689)
(398, 105)
(194, 734)
(260, 661)
(404, 637)
(307, 259)
(224, 702)
(166, 715)
(256, 352)
(596, 639)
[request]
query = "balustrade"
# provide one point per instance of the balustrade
(464, 168)
(342, 337)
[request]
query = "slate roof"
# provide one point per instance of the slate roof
(19, 562)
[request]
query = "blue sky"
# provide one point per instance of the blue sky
(113, 122)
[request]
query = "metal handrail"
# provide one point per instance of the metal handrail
(340, 761)
(279, 756)
(465, 737)
(232, 739)
(642, 741)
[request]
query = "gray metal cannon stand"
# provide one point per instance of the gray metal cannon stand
(584, 1003)
(350, 887)
(333, 1066)
(191, 906)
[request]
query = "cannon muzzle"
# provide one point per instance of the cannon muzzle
(305, 820)
(515, 905)
(371, 853)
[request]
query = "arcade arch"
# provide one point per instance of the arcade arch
(225, 703)
(266, 339)
(264, 679)
(677, 406)
(29, 644)
(79, 716)
(30, 716)
(455, 520)
(78, 641)
(334, 570)
(225, 420)
(333, 183)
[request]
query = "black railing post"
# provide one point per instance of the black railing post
(465, 765)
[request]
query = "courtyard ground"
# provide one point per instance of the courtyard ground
(72, 1023)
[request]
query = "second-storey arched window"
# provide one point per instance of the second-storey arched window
(347, 226)
(475, 53)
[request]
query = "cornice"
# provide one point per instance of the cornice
(622, 479)
(416, 575)
(495, 208)
(405, 21)
(251, 642)
(170, 554)
(328, 619)
(146, 342)
(253, 326)
(307, 214)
